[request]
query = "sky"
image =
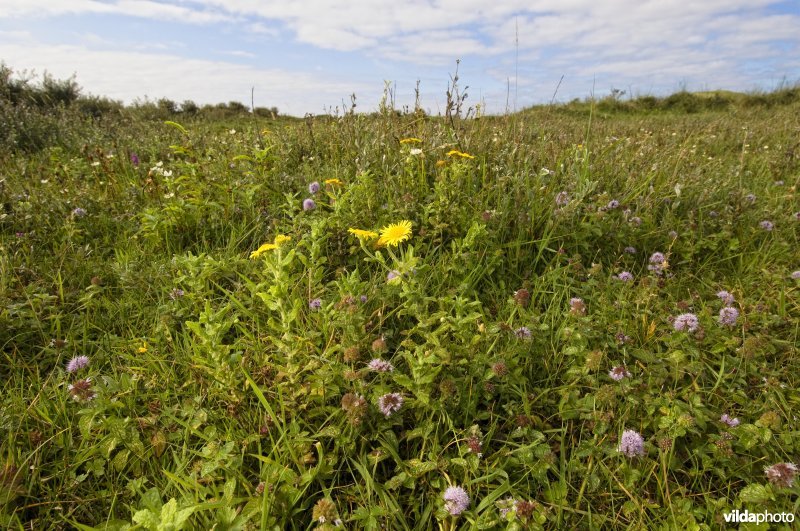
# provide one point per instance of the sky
(311, 56)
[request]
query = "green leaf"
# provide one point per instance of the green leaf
(177, 126)
(146, 519)
(396, 481)
(168, 510)
(417, 467)
(756, 493)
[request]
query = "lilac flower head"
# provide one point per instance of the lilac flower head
(79, 212)
(619, 373)
(796, 216)
(728, 316)
(726, 419)
(625, 276)
(77, 363)
(313, 188)
(81, 391)
(134, 159)
(523, 332)
(363, 299)
(750, 198)
(631, 443)
(713, 214)
(781, 474)
(577, 306)
(766, 225)
(315, 304)
(393, 274)
(658, 262)
(456, 500)
(622, 338)
(379, 365)
(390, 403)
(636, 221)
(795, 275)
(672, 234)
(686, 322)
(629, 250)
(309, 204)
(176, 293)
(562, 198)
(726, 297)
(612, 204)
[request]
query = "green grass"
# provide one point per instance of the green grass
(222, 398)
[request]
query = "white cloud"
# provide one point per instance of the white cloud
(135, 8)
(131, 75)
(240, 53)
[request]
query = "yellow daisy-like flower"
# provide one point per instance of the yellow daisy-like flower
(142, 349)
(395, 233)
(280, 239)
(457, 153)
(411, 140)
(335, 182)
(363, 234)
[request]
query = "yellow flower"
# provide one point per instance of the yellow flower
(363, 234)
(440, 163)
(336, 182)
(411, 140)
(395, 233)
(261, 250)
(280, 239)
(142, 349)
(457, 153)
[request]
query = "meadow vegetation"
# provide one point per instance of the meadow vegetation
(578, 316)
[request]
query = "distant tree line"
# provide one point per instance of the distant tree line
(24, 90)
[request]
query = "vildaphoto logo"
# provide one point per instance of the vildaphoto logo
(740, 517)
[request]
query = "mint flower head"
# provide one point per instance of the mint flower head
(523, 332)
(456, 500)
(390, 403)
(631, 443)
(658, 263)
(728, 420)
(379, 365)
(728, 316)
(77, 363)
(726, 297)
(619, 373)
(686, 322)
(781, 474)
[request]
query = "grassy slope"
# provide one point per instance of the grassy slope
(229, 398)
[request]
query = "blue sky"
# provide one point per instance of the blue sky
(309, 56)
